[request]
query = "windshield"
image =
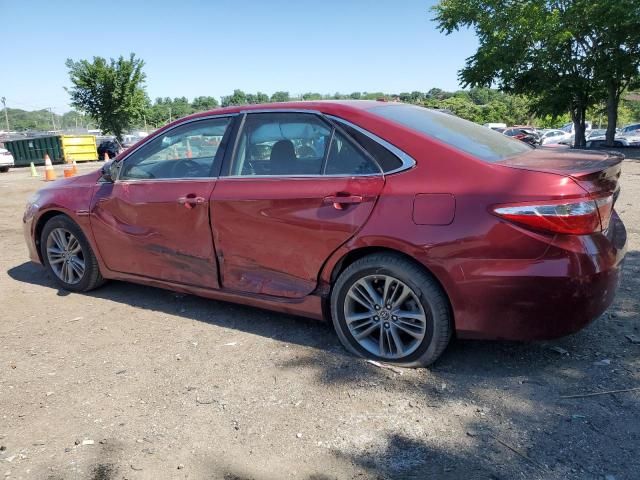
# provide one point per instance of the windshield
(481, 142)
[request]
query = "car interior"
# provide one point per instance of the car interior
(187, 151)
(285, 144)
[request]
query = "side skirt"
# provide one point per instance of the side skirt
(309, 306)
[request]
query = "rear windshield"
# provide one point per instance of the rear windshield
(481, 142)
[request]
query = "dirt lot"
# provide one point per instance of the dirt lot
(136, 382)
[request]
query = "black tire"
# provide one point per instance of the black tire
(91, 277)
(4, 169)
(434, 301)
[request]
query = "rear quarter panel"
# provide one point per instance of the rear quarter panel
(457, 252)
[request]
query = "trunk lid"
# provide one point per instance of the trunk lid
(596, 172)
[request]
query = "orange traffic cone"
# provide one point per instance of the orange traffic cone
(49, 172)
(74, 167)
(68, 171)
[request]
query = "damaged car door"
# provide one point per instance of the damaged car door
(153, 219)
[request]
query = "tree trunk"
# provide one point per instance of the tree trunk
(613, 99)
(577, 115)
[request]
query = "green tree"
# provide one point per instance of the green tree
(201, 104)
(417, 97)
(533, 47)
(463, 108)
(262, 97)
(611, 39)
(112, 92)
(181, 107)
(632, 104)
(437, 94)
(72, 119)
(160, 112)
(237, 98)
(280, 97)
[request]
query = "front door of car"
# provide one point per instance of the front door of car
(295, 190)
(153, 221)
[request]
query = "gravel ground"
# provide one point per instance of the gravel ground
(136, 382)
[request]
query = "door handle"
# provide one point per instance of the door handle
(339, 201)
(190, 201)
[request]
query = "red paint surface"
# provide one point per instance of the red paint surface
(275, 243)
(434, 208)
(275, 234)
(144, 228)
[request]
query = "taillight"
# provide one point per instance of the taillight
(605, 209)
(576, 217)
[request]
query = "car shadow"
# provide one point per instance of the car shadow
(506, 400)
(320, 335)
(278, 326)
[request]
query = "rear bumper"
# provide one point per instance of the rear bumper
(573, 283)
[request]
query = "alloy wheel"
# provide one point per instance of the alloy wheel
(65, 256)
(385, 316)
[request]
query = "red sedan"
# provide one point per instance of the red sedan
(401, 224)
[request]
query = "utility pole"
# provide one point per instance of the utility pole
(53, 121)
(6, 116)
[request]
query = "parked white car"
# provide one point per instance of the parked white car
(6, 160)
(555, 136)
(496, 126)
(631, 133)
(568, 127)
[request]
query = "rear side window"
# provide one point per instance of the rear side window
(469, 137)
(346, 159)
(282, 143)
(387, 160)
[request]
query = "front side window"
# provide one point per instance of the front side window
(187, 151)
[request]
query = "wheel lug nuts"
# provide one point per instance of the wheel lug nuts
(388, 307)
(386, 324)
(376, 318)
(394, 317)
(377, 307)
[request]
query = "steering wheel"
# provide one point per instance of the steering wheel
(186, 168)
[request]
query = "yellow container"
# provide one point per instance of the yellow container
(81, 148)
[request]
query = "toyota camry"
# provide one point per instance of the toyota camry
(401, 225)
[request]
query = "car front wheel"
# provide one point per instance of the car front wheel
(68, 256)
(388, 308)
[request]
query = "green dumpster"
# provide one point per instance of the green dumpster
(60, 148)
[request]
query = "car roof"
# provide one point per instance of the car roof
(325, 106)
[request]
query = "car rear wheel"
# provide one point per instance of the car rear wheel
(4, 169)
(68, 256)
(388, 308)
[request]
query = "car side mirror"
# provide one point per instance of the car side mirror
(110, 171)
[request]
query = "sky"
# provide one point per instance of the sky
(194, 48)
